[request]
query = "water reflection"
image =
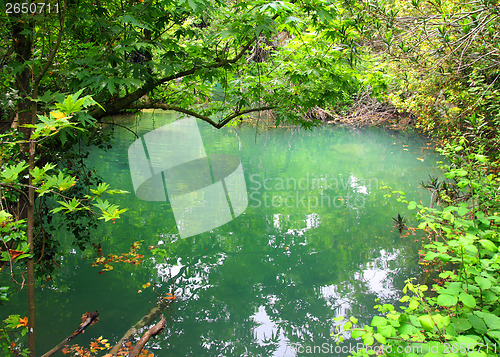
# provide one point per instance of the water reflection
(272, 280)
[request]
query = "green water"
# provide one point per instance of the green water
(315, 242)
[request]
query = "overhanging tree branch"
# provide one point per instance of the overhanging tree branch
(219, 124)
(125, 102)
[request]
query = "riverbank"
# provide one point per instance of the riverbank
(458, 312)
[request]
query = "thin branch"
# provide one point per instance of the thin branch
(217, 125)
(147, 319)
(15, 188)
(152, 332)
(92, 317)
(10, 261)
(122, 126)
(52, 54)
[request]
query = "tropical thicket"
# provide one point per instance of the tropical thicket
(67, 67)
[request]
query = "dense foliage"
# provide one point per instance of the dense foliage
(221, 60)
(461, 316)
(213, 59)
(444, 60)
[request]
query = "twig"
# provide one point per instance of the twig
(146, 320)
(91, 318)
(152, 332)
(217, 125)
(122, 126)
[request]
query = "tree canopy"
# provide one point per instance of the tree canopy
(216, 60)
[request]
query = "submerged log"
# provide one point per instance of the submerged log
(91, 318)
(152, 332)
(146, 320)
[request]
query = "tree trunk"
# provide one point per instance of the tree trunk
(31, 263)
(23, 43)
(26, 114)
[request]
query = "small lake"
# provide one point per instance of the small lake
(315, 242)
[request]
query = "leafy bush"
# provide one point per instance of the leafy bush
(459, 314)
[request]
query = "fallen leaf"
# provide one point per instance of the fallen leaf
(418, 158)
(23, 322)
(15, 253)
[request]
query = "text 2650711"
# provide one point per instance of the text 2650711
(31, 8)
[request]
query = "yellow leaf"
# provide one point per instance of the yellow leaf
(108, 267)
(58, 115)
(418, 158)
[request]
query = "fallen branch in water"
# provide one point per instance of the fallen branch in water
(152, 332)
(146, 320)
(90, 318)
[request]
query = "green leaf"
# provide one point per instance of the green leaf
(405, 329)
(388, 331)
(378, 321)
(477, 323)
(380, 338)
(491, 320)
(483, 282)
(356, 333)
(461, 324)
(488, 245)
(467, 299)
(414, 304)
(368, 339)
(494, 334)
(100, 189)
(461, 172)
(10, 173)
(447, 300)
(426, 322)
(471, 248)
(412, 205)
(466, 341)
(463, 209)
(4, 216)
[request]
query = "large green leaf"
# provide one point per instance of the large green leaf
(447, 300)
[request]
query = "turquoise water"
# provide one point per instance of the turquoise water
(316, 241)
